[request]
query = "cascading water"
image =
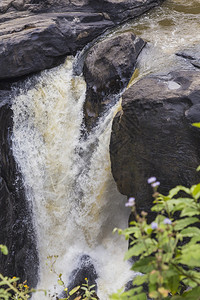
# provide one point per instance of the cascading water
(68, 181)
(67, 178)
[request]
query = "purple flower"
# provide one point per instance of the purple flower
(167, 221)
(131, 202)
(155, 184)
(151, 180)
(154, 225)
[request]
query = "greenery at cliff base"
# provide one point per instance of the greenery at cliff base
(168, 249)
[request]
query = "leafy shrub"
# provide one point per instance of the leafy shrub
(168, 248)
(9, 288)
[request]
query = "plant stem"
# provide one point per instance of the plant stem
(12, 287)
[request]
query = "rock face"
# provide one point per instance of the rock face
(15, 218)
(108, 68)
(192, 55)
(37, 34)
(87, 270)
(152, 135)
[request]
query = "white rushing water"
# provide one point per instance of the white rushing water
(68, 181)
(168, 29)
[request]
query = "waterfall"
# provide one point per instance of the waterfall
(68, 181)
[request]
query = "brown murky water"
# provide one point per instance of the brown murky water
(173, 27)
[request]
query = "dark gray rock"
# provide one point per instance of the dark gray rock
(121, 11)
(17, 231)
(84, 270)
(192, 55)
(152, 135)
(108, 68)
(37, 34)
(35, 43)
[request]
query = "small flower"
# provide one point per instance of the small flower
(151, 180)
(26, 286)
(155, 184)
(167, 221)
(131, 202)
(86, 278)
(154, 225)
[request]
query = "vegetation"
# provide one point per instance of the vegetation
(168, 249)
(11, 289)
(167, 252)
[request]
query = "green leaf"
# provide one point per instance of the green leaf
(60, 282)
(198, 169)
(195, 190)
(141, 296)
(136, 250)
(180, 203)
(153, 277)
(147, 245)
(91, 286)
(173, 283)
(135, 290)
(194, 240)
(196, 125)
(189, 212)
(4, 249)
(140, 279)
(190, 232)
(74, 290)
(144, 265)
(190, 255)
(180, 224)
(173, 192)
(158, 207)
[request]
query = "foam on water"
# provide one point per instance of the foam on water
(68, 181)
(67, 178)
(172, 27)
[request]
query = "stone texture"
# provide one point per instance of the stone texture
(108, 68)
(85, 269)
(152, 135)
(15, 213)
(192, 55)
(37, 34)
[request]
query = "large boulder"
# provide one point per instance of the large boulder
(108, 68)
(16, 223)
(152, 135)
(38, 34)
(123, 10)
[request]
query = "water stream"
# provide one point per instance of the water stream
(75, 201)
(67, 178)
(168, 29)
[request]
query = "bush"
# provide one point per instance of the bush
(9, 288)
(168, 249)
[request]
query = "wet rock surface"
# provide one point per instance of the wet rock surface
(152, 135)
(85, 271)
(191, 55)
(15, 213)
(36, 34)
(108, 68)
